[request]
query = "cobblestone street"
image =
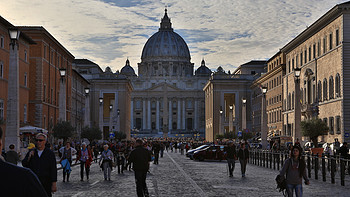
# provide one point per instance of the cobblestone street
(177, 175)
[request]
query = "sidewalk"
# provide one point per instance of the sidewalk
(177, 175)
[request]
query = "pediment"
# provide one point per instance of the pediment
(161, 87)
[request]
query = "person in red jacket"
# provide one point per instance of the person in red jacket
(85, 158)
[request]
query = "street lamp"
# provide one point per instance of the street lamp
(244, 116)
(230, 125)
(220, 124)
(110, 107)
(263, 118)
(101, 100)
(62, 72)
(13, 117)
(87, 91)
(297, 107)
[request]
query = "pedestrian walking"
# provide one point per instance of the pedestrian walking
(13, 176)
(12, 156)
(66, 160)
(85, 158)
(156, 150)
(120, 161)
(140, 157)
(243, 155)
(42, 161)
(106, 158)
(231, 158)
(295, 170)
(344, 154)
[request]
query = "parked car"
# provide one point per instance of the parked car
(190, 152)
(212, 152)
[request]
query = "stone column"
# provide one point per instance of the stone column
(196, 115)
(170, 116)
(178, 114)
(263, 122)
(157, 115)
(297, 111)
(132, 114)
(149, 114)
(183, 114)
(237, 107)
(144, 115)
(12, 113)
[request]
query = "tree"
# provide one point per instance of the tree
(120, 135)
(63, 130)
(246, 135)
(313, 128)
(230, 135)
(91, 133)
(219, 136)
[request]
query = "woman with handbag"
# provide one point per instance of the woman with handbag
(295, 170)
(85, 158)
(106, 158)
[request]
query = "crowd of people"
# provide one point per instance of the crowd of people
(135, 154)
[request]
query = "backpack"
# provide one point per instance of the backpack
(281, 184)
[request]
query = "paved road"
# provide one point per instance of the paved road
(177, 175)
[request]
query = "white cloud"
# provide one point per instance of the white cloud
(226, 33)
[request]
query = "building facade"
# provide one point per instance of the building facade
(322, 53)
(46, 91)
(225, 110)
(167, 99)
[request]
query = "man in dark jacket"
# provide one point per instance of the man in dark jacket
(140, 158)
(18, 181)
(12, 156)
(231, 157)
(41, 160)
(344, 153)
(243, 155)
(156, 150)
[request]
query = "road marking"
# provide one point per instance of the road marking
(193, 183)
(94, 183)
(234, 187)
(77, 194)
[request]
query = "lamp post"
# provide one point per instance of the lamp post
(110, 117)
(263, 119)
(62, 97)
(101, 116)
(87, 107)
(230, 123)
(297, 107)
(244, 116)
(12, 113)
(118, 119)
(220, 122)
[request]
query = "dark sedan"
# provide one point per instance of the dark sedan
(190, 152)
(212, 152)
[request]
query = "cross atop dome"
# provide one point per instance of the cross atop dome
(165, 24)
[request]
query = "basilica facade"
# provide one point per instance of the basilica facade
(167, 97)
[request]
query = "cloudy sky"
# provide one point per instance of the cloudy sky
(225, 33)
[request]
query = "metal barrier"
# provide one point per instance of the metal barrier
(328, 165)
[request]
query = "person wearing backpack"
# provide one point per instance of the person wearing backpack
(295, 170)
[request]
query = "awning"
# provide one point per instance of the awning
(32, 130)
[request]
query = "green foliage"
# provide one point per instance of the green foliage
(91, 133)
(219, 136)
(230, 135)
(120, 135)
(246, 135)
(313, 128)
(63, 130)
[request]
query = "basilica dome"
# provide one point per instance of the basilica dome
(165, 44)
(127, 69)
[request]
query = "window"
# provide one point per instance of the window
(337, 37)
(2, 42)
(292, 100)
(138, 104)
(330, 41)
(319, 48)
(25, 79)
(1, 69)
(25, 113)
(325, 121)
(174, 104)
(44, 51)
(337, 126)
(325, 94)
(51, 95)
(331, 87)
(289, 66)
(314, 52)
(305, 56)
(189, 104)
(319, 91)
(301, 58)
(25, 55)
(1, 109)
(324, 44)
(44, 93)
(309, 53)
(153, 104)
(189, 123)
(331, 125)
(337, 85)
